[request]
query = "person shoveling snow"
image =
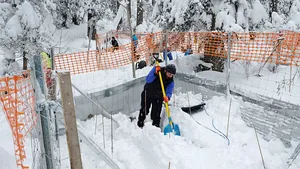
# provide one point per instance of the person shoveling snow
(152, 94)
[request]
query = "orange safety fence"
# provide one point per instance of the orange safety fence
(266, 47)
(81, 62)
(18, 103)
(279, 48)
(102, 39)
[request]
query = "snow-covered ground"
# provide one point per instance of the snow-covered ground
(7, 156)
(148, 148)
(197, 147)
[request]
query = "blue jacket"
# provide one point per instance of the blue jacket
(135, 40)
(153, 85)
(134, 37)
(188, 52)
(169, 54)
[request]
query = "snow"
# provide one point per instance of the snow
(25, 15)
(177, 10)
(7, 156)
(13, 27)
(148, 148)
(6, 160)
(121, 13)
(277, 20)
(5, 67)
(258, 8)
(295, 17)
(28, 16)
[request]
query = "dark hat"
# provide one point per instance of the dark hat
(171, 69)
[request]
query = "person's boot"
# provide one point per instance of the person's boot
(140, 123)
(156, 124)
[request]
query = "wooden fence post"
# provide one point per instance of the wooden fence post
(70, 119)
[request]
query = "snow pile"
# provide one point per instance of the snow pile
(6, 160)
(7, 156)
(186, 99)
(198, 145)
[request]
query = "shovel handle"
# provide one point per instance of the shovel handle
(164, 94)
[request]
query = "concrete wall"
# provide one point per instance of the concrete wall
(124, 98)
(277, 118)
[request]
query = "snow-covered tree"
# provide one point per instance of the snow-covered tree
(191, 17)
(73, 11)
(225, 18)
(261, 21)
(284, 7)
(161, 13)
(242, 8)
(27, 28)
(147, 21)
(294, 15)
(140, 11)
(68, 12)
(235, 15)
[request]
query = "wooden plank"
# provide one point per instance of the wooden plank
(70, 119)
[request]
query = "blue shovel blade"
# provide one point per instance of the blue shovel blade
(168, 129)
(176, 129)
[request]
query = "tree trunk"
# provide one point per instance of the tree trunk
(129, 7)
(121, 20)
(118, 5)
(91, 24)
(273, 7)
(236, 6)
(119, 24)
(25, 61)
(213, 22)
(208, 8)
(140, 12)
(129, 17)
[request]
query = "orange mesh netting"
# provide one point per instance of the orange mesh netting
(17, 101)
(279, 48)
(81, 62)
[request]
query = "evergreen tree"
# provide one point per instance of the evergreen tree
(148, 8)
(27, 28)
(242, 8)
(68, 12)
(210, 13)
(294, 15)
(284, 7)
(73, 11)
(261, 21)
(192, 17)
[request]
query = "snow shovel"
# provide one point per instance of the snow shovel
(171, 127)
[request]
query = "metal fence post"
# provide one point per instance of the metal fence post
(228, 65)
(166, 45)
(133, 50)
(43, 111)
(52, 58)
